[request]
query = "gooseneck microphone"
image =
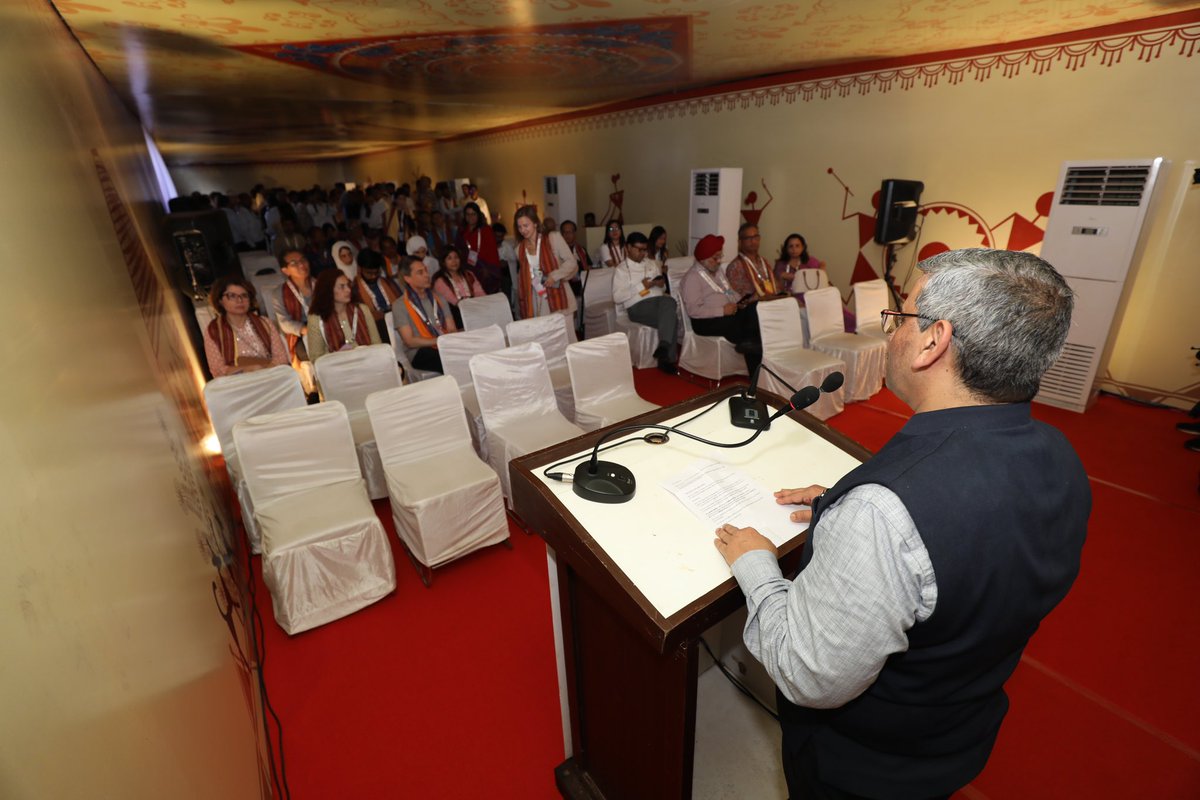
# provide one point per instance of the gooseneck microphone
(610, 482)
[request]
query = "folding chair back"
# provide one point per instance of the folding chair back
(348, 376)
(414, 422)
(456, 350)
(824, 312)
(479, 312)
(233, 398)
(513, 383)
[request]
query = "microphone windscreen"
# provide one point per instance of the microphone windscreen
(833, 382)
(806, 397)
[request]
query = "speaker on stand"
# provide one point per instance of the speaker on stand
(896, 223)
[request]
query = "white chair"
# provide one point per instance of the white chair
(479, 312)
(550, 332)
(712, 357)
(325, 553)
(265, 286)
(348, 376)
(412, 373)
(870, 298)
(677, 267)
(643, 340)
(518, 406)
(779, 323)
(456, 350)
(233, 398)
(865, 356)
(445, 501)
(599, 312)
(602, 380)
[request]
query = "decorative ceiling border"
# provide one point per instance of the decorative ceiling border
(1106, 46)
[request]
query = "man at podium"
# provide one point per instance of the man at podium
(928, 568)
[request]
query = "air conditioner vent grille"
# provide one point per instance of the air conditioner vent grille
(1070, 376)
(707, 184)
(551, 185)
(1104, 186)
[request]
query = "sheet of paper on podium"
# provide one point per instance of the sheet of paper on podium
(664, 549)
(718, 494)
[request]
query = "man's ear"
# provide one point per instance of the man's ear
(934, 344)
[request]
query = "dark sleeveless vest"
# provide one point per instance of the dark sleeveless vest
(1001, 503)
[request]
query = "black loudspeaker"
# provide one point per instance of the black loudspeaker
(187, 202)
(203, 243)
(896, 219)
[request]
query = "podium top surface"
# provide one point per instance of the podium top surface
(654, 547)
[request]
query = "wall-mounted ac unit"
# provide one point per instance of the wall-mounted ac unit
(1093, 237)
(560, 204)
(715, 206)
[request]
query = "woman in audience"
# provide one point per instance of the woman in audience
(658, 247)
(612, 250)
(478, 243)
(417, 248)
(545, 267)
(425, 317)
(793, 257)
(344, 257)
(238, 339)
(453, 282)
(335, 321)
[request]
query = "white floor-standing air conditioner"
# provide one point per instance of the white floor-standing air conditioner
(560, 202)
(1093, 237)
(715, 206)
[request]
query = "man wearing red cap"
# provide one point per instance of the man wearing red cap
(714, 308)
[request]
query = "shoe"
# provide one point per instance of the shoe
(661, 352)
(1192, 428)
(1193, 444)
(667, 366)
(748, 347)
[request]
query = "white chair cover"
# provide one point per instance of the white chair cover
(349, 376)
(712, 357)
(677, 267)
(870, 298)
(643, 340)
(456, 350)
(551, 333)
(265, 286)
(233, 398)
(779, 323)
(865, 356)
(602, 379)
(479, 312)
(599, 312)
(518, 406)
(445, 501)
(325, 553)
(412, 373)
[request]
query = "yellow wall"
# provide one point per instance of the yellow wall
(117, 678)
(989, 144)
(237, 178)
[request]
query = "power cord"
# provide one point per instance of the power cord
(741, 687)
(257, 632)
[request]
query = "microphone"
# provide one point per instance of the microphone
(610, 482)
(746, 410)
(833, 381)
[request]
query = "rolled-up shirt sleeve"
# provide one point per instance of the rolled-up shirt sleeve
(824, 637)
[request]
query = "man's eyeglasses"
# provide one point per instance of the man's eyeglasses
(891, 320)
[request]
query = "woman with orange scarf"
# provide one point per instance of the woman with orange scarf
(545, 265)
(239, 340)
(426, 317)
(335, 322)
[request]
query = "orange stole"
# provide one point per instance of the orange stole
(556, 297)
(221, 331)
(416, 317)
(334, 339)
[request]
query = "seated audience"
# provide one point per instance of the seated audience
(317, 251)
(453, 282)
(417, 248)
(749, 273)
(344, 256)
(426, 317)
(290, 303)
(391, 257)
(611, 251)
(793, 257)
(658, 246)
(238, 339)
(639, 287)
(545, 266)
(714, 308)
(249, 223)
(375, 290)
(335, 321)
(441, 233)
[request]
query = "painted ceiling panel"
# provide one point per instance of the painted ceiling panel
(249, 80)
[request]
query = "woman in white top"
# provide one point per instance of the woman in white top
(545, 266)
(612, 250)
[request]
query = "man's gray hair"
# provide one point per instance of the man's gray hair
(1011, 312)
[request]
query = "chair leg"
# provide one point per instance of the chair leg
(423, 572)
(508, 545)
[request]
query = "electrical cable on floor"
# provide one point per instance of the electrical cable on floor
(741, 687)
(1138, 401)
(257, 634)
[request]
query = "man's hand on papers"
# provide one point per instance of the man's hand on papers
(732, 542)
(799, 497)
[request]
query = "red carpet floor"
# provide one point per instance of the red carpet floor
(450, 692)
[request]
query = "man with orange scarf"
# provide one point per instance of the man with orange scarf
(749, 273)
(545, 266)
(377, 293)
(426, 317)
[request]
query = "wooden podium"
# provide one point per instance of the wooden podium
(630, 670)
